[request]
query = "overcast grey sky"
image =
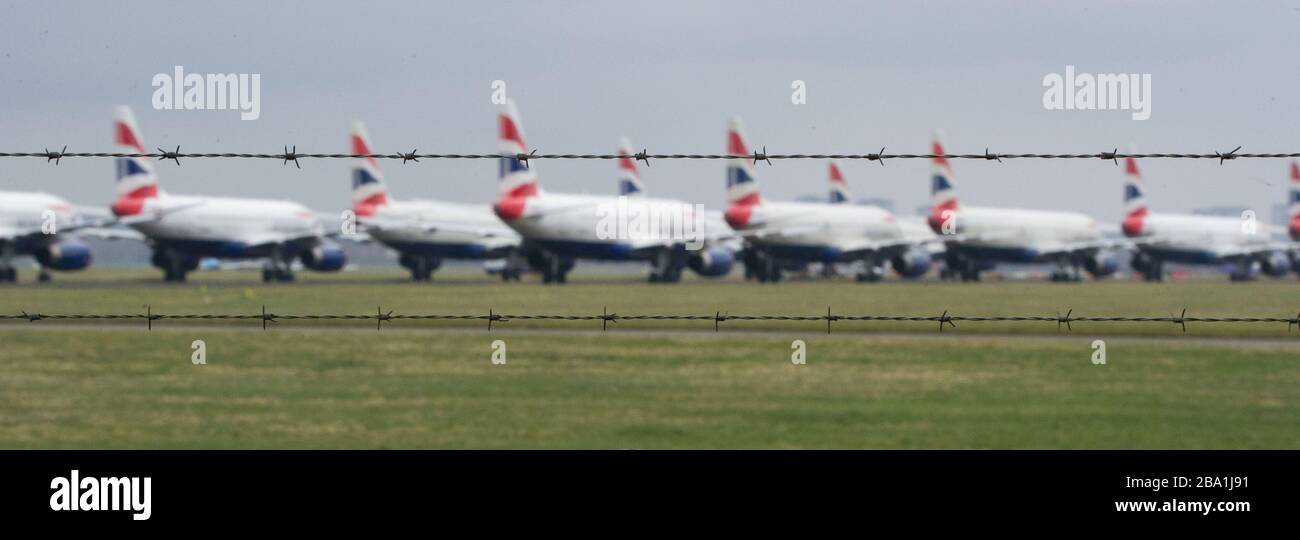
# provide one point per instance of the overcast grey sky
(666, 74)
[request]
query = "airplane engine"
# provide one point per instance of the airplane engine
(324, 258)
(1276, 264)
(712, 261)
(1103, 264)
(65, 255)
(912, 264)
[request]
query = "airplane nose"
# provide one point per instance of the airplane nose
(510, 209)
(738, 216)
(128, 206)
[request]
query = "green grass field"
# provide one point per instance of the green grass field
(431, 385)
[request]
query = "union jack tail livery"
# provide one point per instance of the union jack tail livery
(943, 197)
(839, 188)
(742, 188)
(368, 192)
(518, 179)
(629, 180)
(1294, 209)
(1135, 203)
(136, 179)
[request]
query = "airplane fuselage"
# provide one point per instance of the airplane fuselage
(226, 227)
(441, 229)
(602, 227)
(1016, 235)
(816, 232)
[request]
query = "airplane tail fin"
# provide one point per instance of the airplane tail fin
(368, 191)
(136, 179)
(629, 179)
(839, 188)
(518, 178)
(742, 188)
(943, 196)
(1135, 202)
(1294, 209)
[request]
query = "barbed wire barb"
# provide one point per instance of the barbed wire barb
(175, 156)
(607, 318)
(266, 317)
(1113, 156)
(1229, 155)
(291, 155)
(1065, 320)
(55, 156)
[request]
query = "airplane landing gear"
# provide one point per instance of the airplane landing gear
(555, 269)
(765, 267)
(1152, 269)
(421, 266)
(174, 264)
(277, 268)
(668, 265)
(957, 266)
(872, 272)
(1066, 271)
(514, 269)
(8, 274)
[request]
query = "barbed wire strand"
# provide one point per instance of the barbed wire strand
(606, 317)
(291, 154)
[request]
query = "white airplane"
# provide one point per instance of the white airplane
(425, 232)
(781, 233)
(978, 238)
(183, 229)
(37, 225)
(1243, 246)
(559, 228)
(709, 262)
(914, 229)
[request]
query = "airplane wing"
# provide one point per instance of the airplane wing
(145, 217)
(99, 228)
(1225, 251)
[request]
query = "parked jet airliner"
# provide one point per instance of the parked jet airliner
(980, 237)
(181, 229)
(37, 225)
(1243, 247)
(779, 233)
(559, 228)
(425, 232)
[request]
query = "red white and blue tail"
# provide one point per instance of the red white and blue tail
(1293, 209)
(1135, 202)
(629, 179)
(518, 179)
(742, 188)
(839, 188)
(368, 191)
(136, 179)
(943, 196)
